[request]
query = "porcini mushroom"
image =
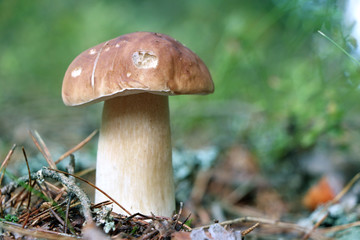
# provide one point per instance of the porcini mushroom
(134, 74)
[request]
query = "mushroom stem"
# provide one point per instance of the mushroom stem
(135, 143)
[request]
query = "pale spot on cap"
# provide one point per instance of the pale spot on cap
(92, 51)
(76, 72)
(145, 59)
(128, 74)
(107, 49)
(117, 45)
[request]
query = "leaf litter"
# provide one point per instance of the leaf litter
(48, 204)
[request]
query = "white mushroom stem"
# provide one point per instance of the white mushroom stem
(134, 154)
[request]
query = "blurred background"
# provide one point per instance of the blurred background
(285, 107)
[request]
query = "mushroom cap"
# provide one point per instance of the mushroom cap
(135, 63)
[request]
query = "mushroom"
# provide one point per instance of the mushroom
(134, 74)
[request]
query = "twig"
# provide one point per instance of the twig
(265, 221)
(337, 198)
(28, 204)
(29, 193)
(150, 234)
(13, 199)
(19, 201)
(70, 169)
(184, 225)
(50, 173)
(67, 213)
(77, 147)
(2, 170)
(85, 171)
(99, 205)
(45, 213)
(39, 143)
(57, 216)
(345, 189)
(60, 194)
(29, 172)
(178, 215)
(86, 181)
(52, 189)
(26, 219)
(141, 215)
(38, 233)
(5, 162)
(247, 219)
(250, 229)
(340, 227)
(45, 191)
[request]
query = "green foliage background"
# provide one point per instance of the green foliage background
(281, 88)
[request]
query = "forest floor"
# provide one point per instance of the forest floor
(232, 199)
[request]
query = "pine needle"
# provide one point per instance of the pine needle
(338, 46)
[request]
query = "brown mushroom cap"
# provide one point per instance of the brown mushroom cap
(134, 63)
